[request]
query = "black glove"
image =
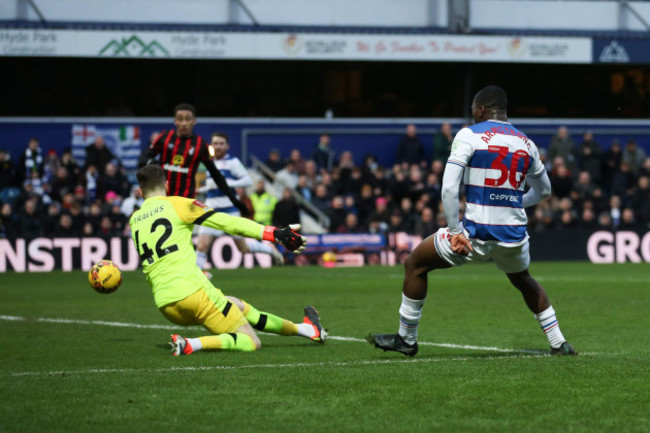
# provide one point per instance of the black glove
(287, 237)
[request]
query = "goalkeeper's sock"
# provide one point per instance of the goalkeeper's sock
(259, 247)
(410, 312)
(200, 259)
(232, 341)
(550, 326)
(268, 322)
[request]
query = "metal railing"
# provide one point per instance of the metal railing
(318, 215)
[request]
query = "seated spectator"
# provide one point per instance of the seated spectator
(561, 182)
(80, 195)
(323, 155)
(64, 227)
(567, 221)
(351, 225)
(336, 213)
(53, 215)
(611, 162)
(425, 225)
(31, 223)
(303, 188)
(94, 216)
(311, 172)
(69, 163)
(287, 177)
(634, 156)
(398, 185)
(365, 203)
(584, 187)
(10, 220)
(628, 220)
(298, 161)
(274, 160)
(381, 210)
(410, 149)
(99, 155)
(106, 228)
(91, 175)
(62, 183)
(112, 180)
(562, 145)
(31, 161)
(132, 202)
(615, 210)
(369, 166)
(605, 221)
(119, 221)
(589, 157)
(321, 198)
(8, 175)
(442, 143)
(408, 215)
(588, 220)
(623, 181)
(396, 222)
(350, 205)
(286, 210)
(416, 184)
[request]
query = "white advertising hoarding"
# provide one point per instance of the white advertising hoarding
(297, 46)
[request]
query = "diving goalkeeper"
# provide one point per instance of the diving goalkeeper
(162, 233)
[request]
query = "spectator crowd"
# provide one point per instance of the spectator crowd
(47, 194)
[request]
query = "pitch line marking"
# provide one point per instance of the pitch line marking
(249, 366)
(331, 337)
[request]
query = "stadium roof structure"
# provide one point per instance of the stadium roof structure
(605, 34)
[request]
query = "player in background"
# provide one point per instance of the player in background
(237, 176)
(494, 159)
(180, 154)
(162, 233)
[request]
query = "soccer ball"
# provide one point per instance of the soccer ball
(105, 277)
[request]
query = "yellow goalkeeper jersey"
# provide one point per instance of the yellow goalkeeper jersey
(162, 233)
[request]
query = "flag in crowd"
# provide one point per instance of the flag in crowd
(123, 141)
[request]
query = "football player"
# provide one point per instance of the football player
(494, 159)
(162, 233)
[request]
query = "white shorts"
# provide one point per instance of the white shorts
(508, 259)
(214, 232)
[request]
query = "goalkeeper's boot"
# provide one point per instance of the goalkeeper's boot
(564, 349)
(180, 346)
(311, 318)
(392, 342)
(278, 258)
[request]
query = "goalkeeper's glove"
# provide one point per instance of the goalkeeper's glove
(287, 237)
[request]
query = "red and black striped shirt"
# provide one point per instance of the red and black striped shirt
(180, 158)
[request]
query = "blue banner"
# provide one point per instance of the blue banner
(621, 51)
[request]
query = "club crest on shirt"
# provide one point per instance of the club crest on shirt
(178, 160)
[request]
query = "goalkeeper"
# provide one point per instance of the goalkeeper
(162, 233)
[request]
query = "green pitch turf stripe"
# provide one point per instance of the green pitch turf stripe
(258, 366)
(331, 337)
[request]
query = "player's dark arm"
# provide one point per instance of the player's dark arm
(149, 155)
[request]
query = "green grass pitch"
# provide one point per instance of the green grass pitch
(73, 360)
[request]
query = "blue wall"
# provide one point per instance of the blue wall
(379, 137)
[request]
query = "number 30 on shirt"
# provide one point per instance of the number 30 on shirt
(507, 173)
